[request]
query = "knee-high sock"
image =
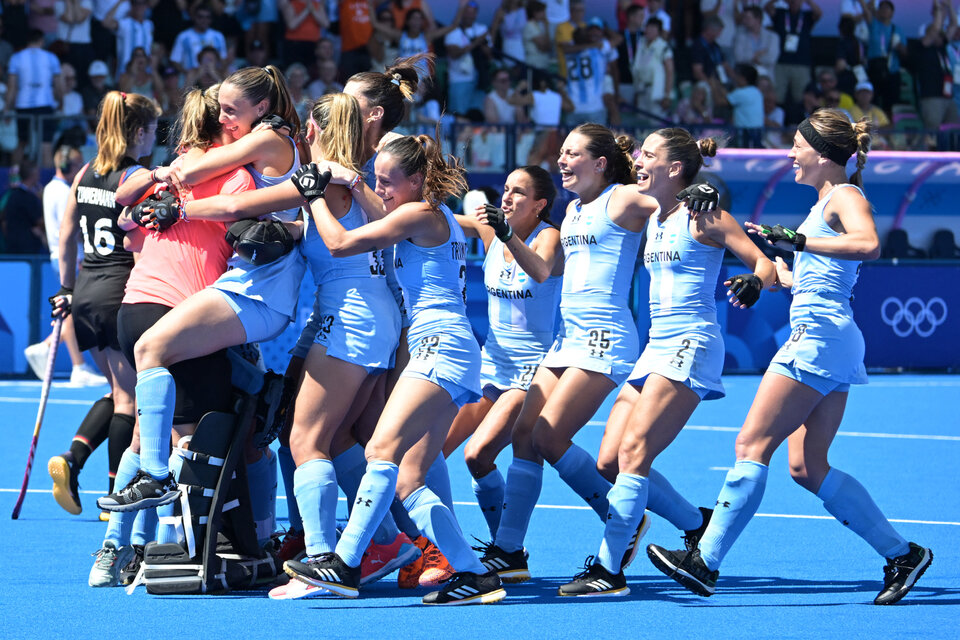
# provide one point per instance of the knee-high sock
(315, 485)
(850, 503)
(440, 526)
(374, 496)
(121, 434)
(402, 519)
(663, 500)
(438, 479)
(93, 430)
(287, 467)
(579, 470)
(489, 492)
(168, 532)
(156, 395)
(520, 495)
(121, 522)
(738, 501)
(628, 499)
(262, 480)
(350, 466)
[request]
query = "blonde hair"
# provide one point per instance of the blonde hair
(199, 121)
(852, 137)
(121, 116)
(341, 129)
(267, 83)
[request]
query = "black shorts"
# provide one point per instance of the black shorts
(203, 384)
(48, 126)
(96, 301)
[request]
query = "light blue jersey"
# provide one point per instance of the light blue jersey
(442, 347)
(598, 331)
(685, 341)
(325, 267)
(522, 314)
(387, 254)
(824, 339)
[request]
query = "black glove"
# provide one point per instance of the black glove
(746, 287)
(260, 242)
(158, 211)
(701, 197)
(65, 294)
(310, 182)
(276, 123)
(780, 233)
(497, 220)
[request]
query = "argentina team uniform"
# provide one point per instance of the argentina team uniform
(824, 339)
(598, 332)
(389, 271)
(440, 339)
(522, 314)
(355, 316)
(588, 80)
(265, 297)
(685, 341)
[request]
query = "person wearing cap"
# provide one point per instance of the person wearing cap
(96, 88)
(863, 106)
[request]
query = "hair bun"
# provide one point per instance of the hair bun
(707, 146)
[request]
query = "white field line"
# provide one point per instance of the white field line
(854, 434)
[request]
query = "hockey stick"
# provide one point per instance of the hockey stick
(44, 394)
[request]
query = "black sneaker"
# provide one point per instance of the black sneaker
(902, 572)
(64, 471)
(468, 588)
(143, 492)
(686, 567)
(327, 571)
(129, 572)
(595, 581)
(691, 538)
(634, 546)
(511, 566)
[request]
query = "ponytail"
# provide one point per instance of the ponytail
(618, 151)
(121, 116)
(423, 154)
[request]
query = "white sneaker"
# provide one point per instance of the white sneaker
(83, 375)
(295, 590)
(36, 355)
(108, 565)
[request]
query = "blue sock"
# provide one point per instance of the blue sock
(402, 519)
(350, 466)
(262, 480)
(847, 501)
(628, 499)
(579, 470)
(738, 501)
(121, 522)
(438, 479)
(144, 527)
(315, 485)
(156, 396)
(520, 495)
(663, 500)
(489, 492)
(168, 530)
(376, 492)
(440, 527)
(287, 467)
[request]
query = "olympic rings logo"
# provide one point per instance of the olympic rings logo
(913, 315)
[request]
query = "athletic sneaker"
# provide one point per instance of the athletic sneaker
(291, 546)
(436, 568)
(129, 572)
(595, 581)
(691, 538)
(36, 355)
(295, 590)
(327, 571)
(83, 375)
(380, 560)
(143, 492)
(104, 516)
(511, 566)
(409, 575)
(108, 565)
(66, 491)
(686, 567)
(468, 588)
(633, 547)
(900, 573)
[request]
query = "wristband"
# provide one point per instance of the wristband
(153, 175)
(356, 180)
(800, 242)
(183, 212)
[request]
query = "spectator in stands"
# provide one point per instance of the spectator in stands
(462, 73)
(138, 77)
(382, 47)
(356, 29)
(259, 18)
(190, 42)
(832, 100)
(401, 8)
(723, 10)
(169, 93)
(852, 10)
(934, 76)
(827, 82)
(794, 25)
(73, 28)
(132, 30)
(94, 91)
(851, 57)
(537, 45)
(863, 107)
(746, 102)
(325, 50)
(511, 16)
(558, 12)
(590, 82)
(657, 9)
(653, 72)
(884, 49)
(34, 88)
(327, 82)
(773, 121)
(42, 16)
(21, 212)
(71, 102)
(415, 38)
(755, 45)
(707, 58)
(209, 70)
(627, 52)
(563, 33)
(547, 106)
(697, 108)
(296, 76)
(258, 55)
(501, 106)
(305, 21)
